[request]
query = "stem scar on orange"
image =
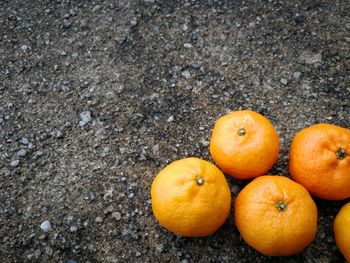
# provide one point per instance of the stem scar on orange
(341, 229)
(276, 216)
(244, 144)
(191, 197)
(319, 159)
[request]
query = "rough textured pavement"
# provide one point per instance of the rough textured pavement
(97, 96)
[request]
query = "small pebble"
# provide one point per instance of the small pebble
(71, 261)
(48, 251)
(184, 28)
(235, 189)
(155, 149)
(45, 226)
(297, 75)
(91, 196)
(284, 81)
(187, 45)
(131, 195)
(196, 66)
(170, 119)
(24, 47)
(160, 248)
(21, 153)
(98, 219)
(85, 118)
(39, 153)
(14, 163)
(73, 229)
(24, 141)
(117, 216)
(186, 74)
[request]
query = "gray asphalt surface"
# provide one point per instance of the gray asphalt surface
(97, 96)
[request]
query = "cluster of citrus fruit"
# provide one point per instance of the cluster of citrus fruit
(274, 214)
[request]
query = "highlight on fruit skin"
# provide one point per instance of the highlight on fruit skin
(319, 159)
(276, 216)
(191, 197)
(244, 144)
(341, 228)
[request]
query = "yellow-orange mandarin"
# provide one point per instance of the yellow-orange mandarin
(191, 197)
(244, 144)
(342, 230)
(276, 216)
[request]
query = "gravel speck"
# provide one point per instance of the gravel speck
(85, 118)
(297, 75)
(311, 58)
(284, 81)
(235, 189)
(24, 141)
(155, 149)
(24, 47)
(14, 163)
(170, 119)
(184, 28)
(21, 153)
(39, 152)
(91, 196)
(117, 216)
(196, 66)
(45, 226)
(159, 248)
(48, 250)
(73, 229)
(98, 219)
(186, 74)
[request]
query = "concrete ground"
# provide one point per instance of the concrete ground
(97, 96)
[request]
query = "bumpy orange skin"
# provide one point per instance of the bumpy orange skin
(247, 156)
(183, 206)
(314, 164)
(267, 229)
(341, 229)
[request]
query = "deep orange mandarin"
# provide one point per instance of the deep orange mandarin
(320, 161)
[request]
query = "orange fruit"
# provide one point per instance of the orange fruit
(319, 159)
(341, 229)
(276, 216)
(244, 144)
(191, 197)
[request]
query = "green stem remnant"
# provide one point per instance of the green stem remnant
(241, 132)
(281, 206)
(199, 180)
(341, 153)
